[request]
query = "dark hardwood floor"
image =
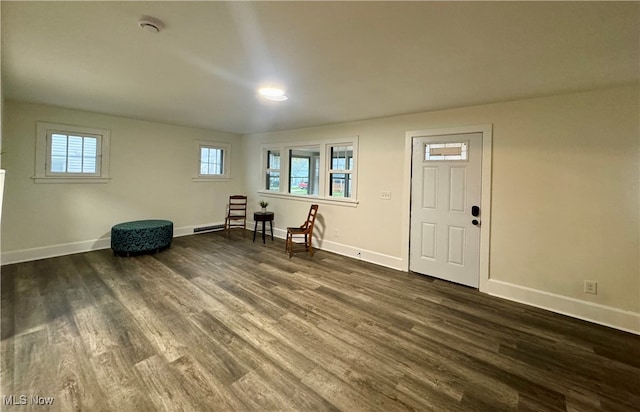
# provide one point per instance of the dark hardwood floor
(226, 324)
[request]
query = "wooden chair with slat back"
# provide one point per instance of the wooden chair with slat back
(236, 214)
(303, 232)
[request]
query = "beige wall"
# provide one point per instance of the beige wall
(1, 127)
(565, 187)
(151, 170)
(1, 94)
(565, 190)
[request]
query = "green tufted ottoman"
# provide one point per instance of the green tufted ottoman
(141, 236)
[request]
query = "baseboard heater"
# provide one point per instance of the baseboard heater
(213, 228)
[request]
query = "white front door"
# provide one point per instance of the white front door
(446, 214)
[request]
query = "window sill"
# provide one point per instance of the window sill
(210, 179)
(40, 179)
(314, 199)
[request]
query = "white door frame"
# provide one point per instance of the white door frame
(487, 138)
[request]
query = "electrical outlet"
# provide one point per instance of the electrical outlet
(385, 195)
(591, 286)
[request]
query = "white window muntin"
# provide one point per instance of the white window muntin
(340, 170)
(44, 173)
(272, 174)
(324, 165)
(212, 161)
(73, 154)
(453, 151)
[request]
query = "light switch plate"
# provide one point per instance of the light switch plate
(591, 286)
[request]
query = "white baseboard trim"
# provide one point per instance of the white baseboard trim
(44, 252)
(27, 255)
(349, 251)
(380, 259)
(184, 231)
(627, 321)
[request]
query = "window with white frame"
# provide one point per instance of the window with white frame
(340, 171)
(322, 169)
(66, 153)
(213, 160)
(211, 163)
(272, 182)
(304, 168)
(73, 155)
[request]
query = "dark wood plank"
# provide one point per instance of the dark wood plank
(218, 323)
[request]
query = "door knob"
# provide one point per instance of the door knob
(475, 222)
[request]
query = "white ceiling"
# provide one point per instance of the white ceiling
(338, 61)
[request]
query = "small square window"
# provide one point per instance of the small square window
(67, 153)
(213, 161)
(73, 154)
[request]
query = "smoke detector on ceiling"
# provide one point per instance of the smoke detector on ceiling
(150, 24)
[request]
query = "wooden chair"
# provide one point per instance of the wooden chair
(236, 214)
(305, 231)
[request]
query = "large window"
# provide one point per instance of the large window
(304, 168)
(325, 169)
(67, 153)
(213, 160)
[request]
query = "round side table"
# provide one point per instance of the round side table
(263, 217)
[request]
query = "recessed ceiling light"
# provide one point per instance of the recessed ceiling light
(277, 98)
(272, 93)
(150, 24)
